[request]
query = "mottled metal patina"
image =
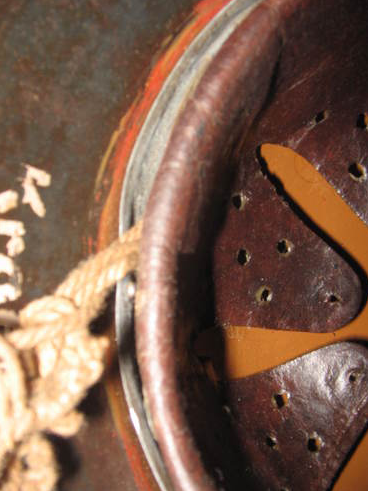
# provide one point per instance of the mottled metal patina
(70, 70)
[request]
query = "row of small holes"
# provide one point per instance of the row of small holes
(264, 294)
(284, 247)
(314, 443)
(361, 122)
(356, 170)
(281, 400)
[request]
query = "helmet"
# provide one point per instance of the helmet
(222, 247)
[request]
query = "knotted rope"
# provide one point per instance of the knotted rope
(48, 360)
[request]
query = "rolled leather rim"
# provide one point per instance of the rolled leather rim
(233, 88)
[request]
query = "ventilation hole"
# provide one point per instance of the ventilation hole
(333, 299)
(284, 247)
(314, 443)
(239, 200)
(321, 116)
(357, 172)
(243, 257)
(281, 400)
(271, 441)
(264, 294)
(354, 376)
(362, 121)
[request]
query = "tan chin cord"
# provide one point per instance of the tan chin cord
(48, 360)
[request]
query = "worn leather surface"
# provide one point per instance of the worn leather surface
(288, 62)
(311, 80)
(327, 394)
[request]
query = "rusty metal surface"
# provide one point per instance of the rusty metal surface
(69, 71)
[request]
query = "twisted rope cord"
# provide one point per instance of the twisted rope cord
(48, 360)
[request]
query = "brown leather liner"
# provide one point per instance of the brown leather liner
(325, 405)
(195, 174)
(173, 225)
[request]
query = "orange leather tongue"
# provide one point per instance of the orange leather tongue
(245, 350)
